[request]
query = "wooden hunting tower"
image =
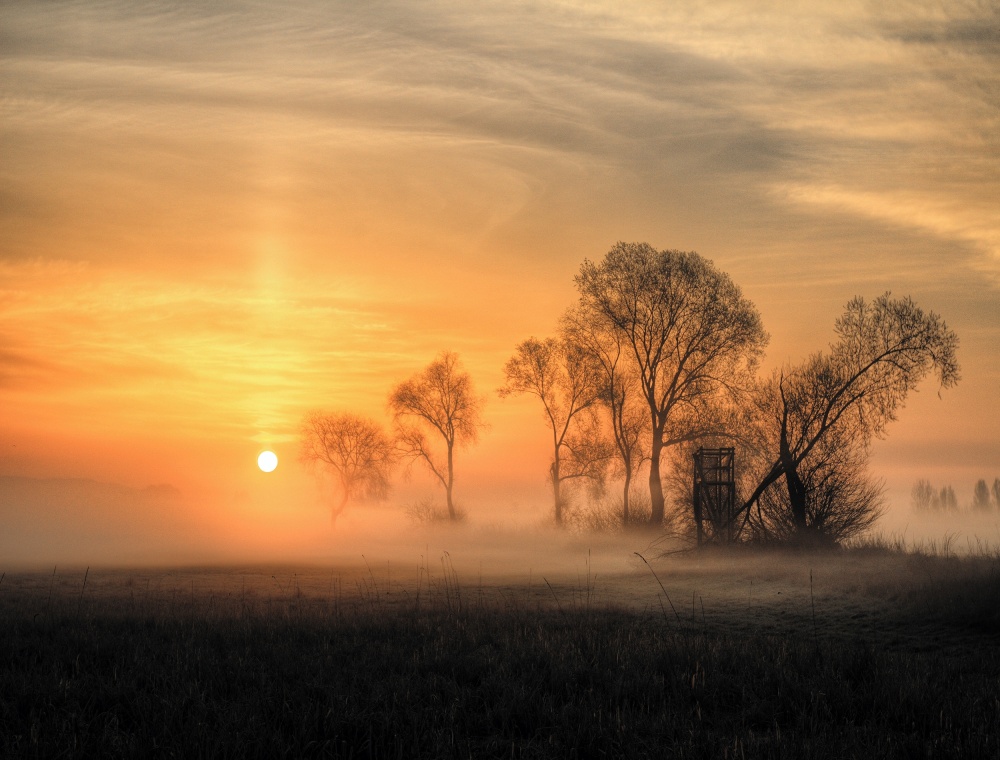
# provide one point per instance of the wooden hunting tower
(715, 494)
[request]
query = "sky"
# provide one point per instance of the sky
(215, 217)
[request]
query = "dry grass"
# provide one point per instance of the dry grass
(882, 654)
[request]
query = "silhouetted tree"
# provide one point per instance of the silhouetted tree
(440, 401)
(922, 495)
(565, 379)
(840, 497)
(620, 395)
(687, 327)
(981, 496)
(996, 493)
(946, 499)
(884, 349)
(355, 449)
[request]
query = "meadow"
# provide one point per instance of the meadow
(872, 651)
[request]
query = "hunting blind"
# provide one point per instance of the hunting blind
(715, 494)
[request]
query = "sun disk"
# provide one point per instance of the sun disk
(267, 461)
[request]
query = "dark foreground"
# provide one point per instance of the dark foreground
(446, 671)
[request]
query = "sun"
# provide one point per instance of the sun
(267, 461)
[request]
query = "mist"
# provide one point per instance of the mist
(79, 522)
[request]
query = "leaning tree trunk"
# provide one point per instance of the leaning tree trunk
(797, 500)
(796, 488)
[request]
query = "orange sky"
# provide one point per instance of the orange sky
(213, 220)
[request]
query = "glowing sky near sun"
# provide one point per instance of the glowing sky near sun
(216, 217)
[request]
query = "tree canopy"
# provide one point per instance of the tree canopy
(884, 349)
(564, 377)
(687, 326)
(355, 449)
(439, 401)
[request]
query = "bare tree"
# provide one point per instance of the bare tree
(884, 349)
(687, 327)
(981, 496)
(996, 493)
(442, 402)
(620, 395)
(922, 495)
(946, 499)
(564, 378)
(356, 450)
(841, 498)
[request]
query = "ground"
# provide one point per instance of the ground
(863, 653)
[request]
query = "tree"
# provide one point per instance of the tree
(841, 499)
(884, 349)
(620, 395)
(356, 449)
(922, 496)
(996, 493)
(981, 496)
(442, 402)
(687, 327)
(946, 500)
(564, 378)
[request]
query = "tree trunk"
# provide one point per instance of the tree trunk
(451, 481)
(655, 484)
(345, 494)
(625, 492)
(556, 480)
(796, 488)
(797, 500)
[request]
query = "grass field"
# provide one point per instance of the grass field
(862, 653)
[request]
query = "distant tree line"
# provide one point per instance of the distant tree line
(926, 498)
(660, 355)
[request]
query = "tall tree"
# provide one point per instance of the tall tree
(356, 450)
(947, 500)
(565, 379)
(996, 493)
(687, 326)
(981, 496)
(884, 349)
(439, 401)
(922, 495)
(620, 394)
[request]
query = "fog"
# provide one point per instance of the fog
(80, 522)
(86, 522)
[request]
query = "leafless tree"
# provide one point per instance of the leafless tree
(884, 349)
(620, 395)
(689, 331)
(946, 499)
(564, 378)
(925, 497)
(439, 401)
(981, 496)
(922, 495)
(841, 498)
(355, 449)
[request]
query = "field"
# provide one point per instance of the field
(860, 653)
